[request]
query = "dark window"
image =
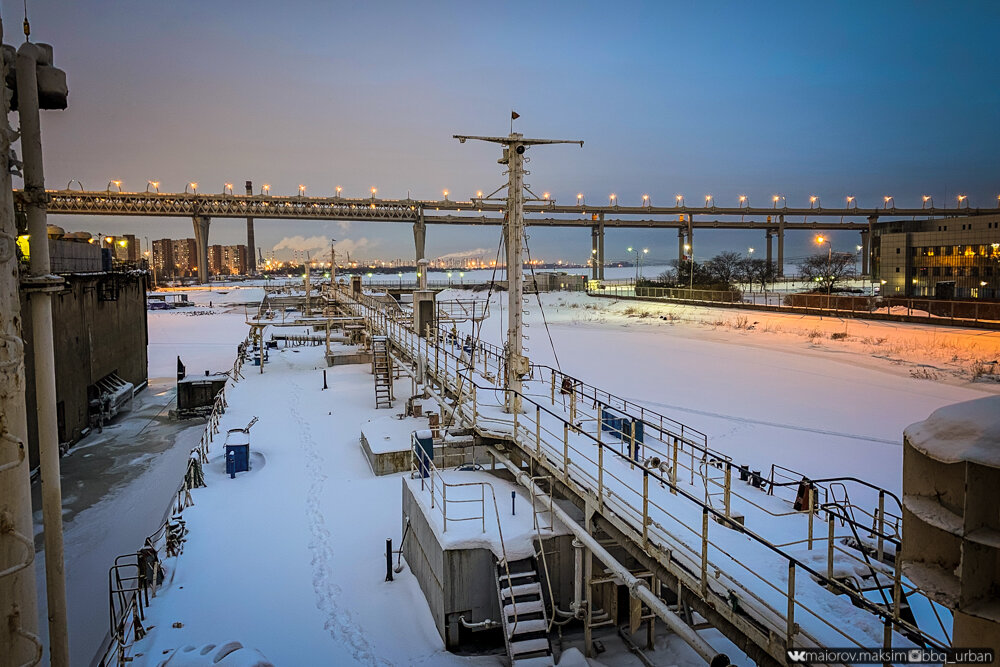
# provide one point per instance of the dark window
(922, 271)
(897, 269)
(947, 271)
(988, 271)
(937, 270)
(960, 271)
(974, 272)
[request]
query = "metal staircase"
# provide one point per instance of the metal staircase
(382, 370)
(525, 625)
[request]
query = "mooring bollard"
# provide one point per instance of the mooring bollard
(513, 495)
(324, 380)
(388, 559)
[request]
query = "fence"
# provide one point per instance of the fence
(947, 312)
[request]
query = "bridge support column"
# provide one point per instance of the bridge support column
(680, 245)
(769, 234)
(867, 251)
(781, 245)
(251, 247)
(419, 237)
(595, 273)
(600, 248)
(201, 223)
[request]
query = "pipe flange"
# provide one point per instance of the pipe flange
(46, 283)
(34, 195)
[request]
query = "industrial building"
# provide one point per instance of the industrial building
(99, 324)
(945, 258)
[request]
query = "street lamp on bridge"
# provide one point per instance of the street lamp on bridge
(886, 200)
(117, 184)
(265, 189)
(154, 184)
(927, 198)
(193, 186)
(680, 200)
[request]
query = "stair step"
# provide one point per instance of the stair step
(516, 575)
(540, 661)
(518, 590)
(523, 608)
(524, 627)
(528, 646)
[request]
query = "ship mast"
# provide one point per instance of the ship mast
(516, 364)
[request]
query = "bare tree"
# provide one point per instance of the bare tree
(724, 267)
(827, 270)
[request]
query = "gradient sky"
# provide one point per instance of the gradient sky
(798, 98)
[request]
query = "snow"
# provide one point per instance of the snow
(389, 433)
(302, 537)
(968, 431)
(487, 525)
(305, 533)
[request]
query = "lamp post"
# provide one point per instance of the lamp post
(638, 261)
(820, 240)
(749, 269)
(690, 253)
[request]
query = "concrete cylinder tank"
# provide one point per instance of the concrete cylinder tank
(951, 515)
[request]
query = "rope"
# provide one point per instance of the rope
(541, 308)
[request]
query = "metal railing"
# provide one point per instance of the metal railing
(129, 594)
(672, 525)
(424, 467)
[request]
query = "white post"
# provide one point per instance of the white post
(18, 601)
(44, 350)
(514, 239)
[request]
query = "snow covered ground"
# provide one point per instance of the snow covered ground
(299, 538)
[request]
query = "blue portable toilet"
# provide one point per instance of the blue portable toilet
(237, 451)
(423, 450)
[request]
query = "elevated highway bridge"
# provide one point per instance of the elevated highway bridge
(202, 208)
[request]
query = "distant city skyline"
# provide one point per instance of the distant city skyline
(725, 100)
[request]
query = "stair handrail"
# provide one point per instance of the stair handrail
(541, 548)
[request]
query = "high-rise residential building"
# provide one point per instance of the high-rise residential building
(234, 259)
(163, 258)
(185, 257)
(215, 265)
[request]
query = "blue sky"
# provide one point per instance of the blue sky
(861, 98)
